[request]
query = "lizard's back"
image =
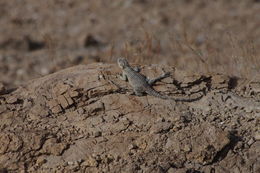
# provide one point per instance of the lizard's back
(136, 79)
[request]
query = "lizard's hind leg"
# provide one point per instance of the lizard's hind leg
(138, 92)
(137, 69)
(152, 81)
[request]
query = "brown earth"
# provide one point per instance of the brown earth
(81, 119)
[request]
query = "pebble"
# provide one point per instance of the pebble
(251, 141)
(12, 100)
(257, 136)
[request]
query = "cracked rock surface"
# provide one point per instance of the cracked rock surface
(82, 119)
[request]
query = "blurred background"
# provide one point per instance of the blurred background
(41, 37)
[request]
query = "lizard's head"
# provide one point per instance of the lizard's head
(122, 63)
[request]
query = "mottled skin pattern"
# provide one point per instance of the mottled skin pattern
(140, 83)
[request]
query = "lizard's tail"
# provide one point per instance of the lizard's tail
(152, 92)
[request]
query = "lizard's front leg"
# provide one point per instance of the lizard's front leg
(123, 76)
(137, 69)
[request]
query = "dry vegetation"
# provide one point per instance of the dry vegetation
(38, 38)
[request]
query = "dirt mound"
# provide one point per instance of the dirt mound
(82, 119)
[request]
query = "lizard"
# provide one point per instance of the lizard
(142, 84)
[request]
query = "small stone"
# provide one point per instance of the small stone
(44, 113)
(60, 88)
(51, 146)
(12, 100)
(100, 76)
(171, 170)
(52, 103)
(81, 111)
(73, 93)
(187, 148)
(97, 134)
(32, 116)
(2, 108)
(218, 79)
(251, 141)
(70, 163)
(68, 98)
(257, 136)
(31, 169)
(56, 109)
(132, 146)
(40, 161)
(91, 162)
(161, 127)
(63, 101)
(27, 103)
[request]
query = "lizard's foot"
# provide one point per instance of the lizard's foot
(137, 69)
(165, 75)
(138, 92)
(122, 77)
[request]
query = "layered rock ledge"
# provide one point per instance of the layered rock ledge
(82, 119)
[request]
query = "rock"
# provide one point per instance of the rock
(56, 109)
(10, 143)
(161, 127)
(97, 133)
(220, 81)
(51, 146)
(60, 88)
(27, 103)
(40, 161)
(2, 108)
(12, 99)
(74, 115)
(257, 136)
(81, 111)
(132, 146)
(69, 99)
(90, 162)
(7, 118)
(73, 93)
(63, 101)
(251, 141)
(201, 144)
(52, 103)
